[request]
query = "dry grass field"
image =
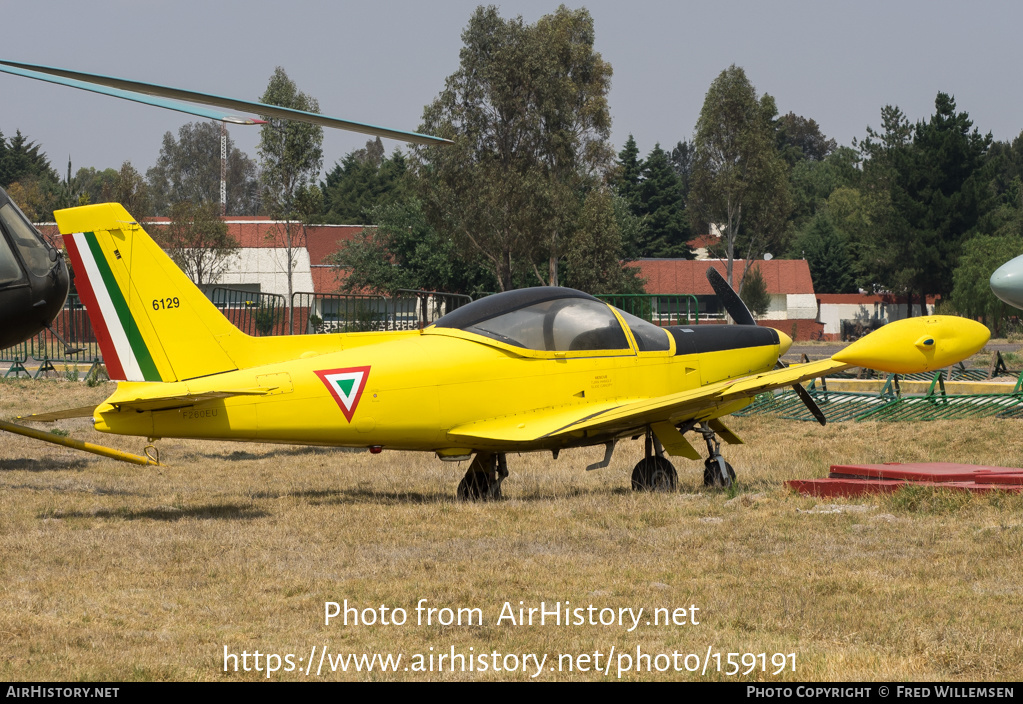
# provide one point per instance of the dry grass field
(110, 571)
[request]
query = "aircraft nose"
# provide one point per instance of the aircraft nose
(1007, 282)
(784, 342)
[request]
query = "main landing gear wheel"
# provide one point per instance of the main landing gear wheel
(482, 481)
(654, 473)
(715, 476)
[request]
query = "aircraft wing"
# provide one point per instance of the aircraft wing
(902, 347)
(696, 404)
(614, 417)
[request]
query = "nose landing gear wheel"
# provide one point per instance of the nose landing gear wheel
(654, 473)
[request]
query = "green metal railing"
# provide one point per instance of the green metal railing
(415, 309)
(660, 309)
(251, 312)
(890, 405)
(408, 310)
(16, 356)
(326, 313)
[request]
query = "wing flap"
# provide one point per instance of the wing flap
(525, 427)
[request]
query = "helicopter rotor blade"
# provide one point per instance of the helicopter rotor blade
(125, 87)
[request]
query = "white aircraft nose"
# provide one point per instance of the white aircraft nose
(1007, 282)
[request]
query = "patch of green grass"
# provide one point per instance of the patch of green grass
(930, 500)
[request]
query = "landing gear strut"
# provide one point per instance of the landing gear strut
(716, 472)
(654, 472)
(482, 481)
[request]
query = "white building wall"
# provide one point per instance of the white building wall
(801, 306)
(777, 309)
(832, 314)
(267, 266)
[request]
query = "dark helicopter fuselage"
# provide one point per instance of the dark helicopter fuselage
(34, 278)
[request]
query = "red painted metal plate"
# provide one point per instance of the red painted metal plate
(928, 472)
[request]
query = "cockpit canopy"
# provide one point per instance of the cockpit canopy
(553, 319)
(17, 234)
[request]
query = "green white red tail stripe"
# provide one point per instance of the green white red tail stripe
(124, 351)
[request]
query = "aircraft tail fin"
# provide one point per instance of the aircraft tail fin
(152, 322)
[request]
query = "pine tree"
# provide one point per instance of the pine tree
(827, 255)
(630, 171)
(665, 228)
(754, 292)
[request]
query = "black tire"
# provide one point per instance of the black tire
(475, 486)
(654, 474)
(712, 474)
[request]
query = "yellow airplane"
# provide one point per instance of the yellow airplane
(526, 370)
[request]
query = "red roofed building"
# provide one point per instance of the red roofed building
(261, 263)
(788, 283)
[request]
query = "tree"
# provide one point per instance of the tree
(800, 139)
(971, 292)
(405, 251)
(827, 255)
(130, 190)
(291, 154)
(739, 180)
(885, 250)
(665, 230)
(22, 160)
(950, 188)
(198, 241)
(364, 180)
(188, 169)
(527, 111)
(629, 173)
(594, 255)
(754, 292)
(682, 161)
(92, 184)
(928, 191)
(812, 182)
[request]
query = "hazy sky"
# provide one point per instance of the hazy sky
(381, 62)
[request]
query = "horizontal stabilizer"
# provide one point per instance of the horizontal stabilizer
(80, 412)
(167, 403)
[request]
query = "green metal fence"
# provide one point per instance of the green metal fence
(16, 356)
(251, 312)
(81, 354)
(324, 313)
(415, 309)
(660, 309)
(890, 405)
(408, 310)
